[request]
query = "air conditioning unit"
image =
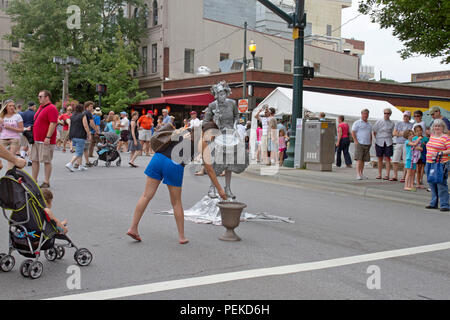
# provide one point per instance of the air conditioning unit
(203, 71)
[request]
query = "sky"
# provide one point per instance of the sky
(381, 49)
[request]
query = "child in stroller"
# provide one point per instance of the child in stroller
(107, 149)
(31, 228)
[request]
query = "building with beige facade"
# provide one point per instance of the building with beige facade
(8, 51)
(186, 35)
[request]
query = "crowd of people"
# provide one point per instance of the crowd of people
(412, 145)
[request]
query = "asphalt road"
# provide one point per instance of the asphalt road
(99, 205)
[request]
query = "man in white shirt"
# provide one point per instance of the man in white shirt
(384, 145)
(362, 135)
(195, 122)
(241, 129)
(124, 126)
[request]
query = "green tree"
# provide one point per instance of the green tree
(422, 25)
(42, 28)
(114, 70)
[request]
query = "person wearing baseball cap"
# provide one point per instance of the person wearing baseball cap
(145, 132)
(399, 144)
(195, 122)
(435, 113)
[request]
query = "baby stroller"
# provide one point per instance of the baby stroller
(107, 149)
(31, 231)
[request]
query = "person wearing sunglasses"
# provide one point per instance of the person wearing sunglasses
(44, 134)
(384, 145)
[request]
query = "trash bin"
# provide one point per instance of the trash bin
(320, 142)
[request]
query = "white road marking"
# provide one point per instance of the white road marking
(250, 274)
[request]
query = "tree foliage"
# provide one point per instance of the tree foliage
(42, 28)
(422, 25)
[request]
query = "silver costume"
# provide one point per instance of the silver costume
(228, 150)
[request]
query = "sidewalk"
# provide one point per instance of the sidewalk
(341, 180)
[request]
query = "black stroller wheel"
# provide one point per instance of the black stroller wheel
(35, 269)
(7, 263)
(119, 162)
(61, 252)
(51, 254)
(83, 257)
(24, 268)
(108, 164)
(95, 163)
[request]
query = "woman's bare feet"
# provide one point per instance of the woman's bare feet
(184, 241)
(134, 235)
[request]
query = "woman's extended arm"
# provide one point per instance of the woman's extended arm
(210, 170)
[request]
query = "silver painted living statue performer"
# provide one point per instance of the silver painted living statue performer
(229, 150)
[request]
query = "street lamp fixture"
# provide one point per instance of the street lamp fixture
(66, 64)
(252, 48)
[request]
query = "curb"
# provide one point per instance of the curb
(341, 188)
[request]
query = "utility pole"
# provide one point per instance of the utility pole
(297, 21)
(244, 82)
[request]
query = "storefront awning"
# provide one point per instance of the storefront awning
(197, 99)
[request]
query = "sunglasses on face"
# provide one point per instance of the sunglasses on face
(387, 113)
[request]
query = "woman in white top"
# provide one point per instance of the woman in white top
(11, 127)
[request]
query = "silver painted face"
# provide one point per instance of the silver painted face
(222, 96)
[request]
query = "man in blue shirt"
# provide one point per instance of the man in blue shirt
(28, 122)
(166, 117)
(97, 117)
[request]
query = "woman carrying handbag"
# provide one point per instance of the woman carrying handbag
(436, 168)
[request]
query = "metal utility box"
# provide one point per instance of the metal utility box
(320, 142)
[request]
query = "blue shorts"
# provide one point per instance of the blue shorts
(78, 145)
(410, 165)
(166, 170)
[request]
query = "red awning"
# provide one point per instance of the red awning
(197, 99)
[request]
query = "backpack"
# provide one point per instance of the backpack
(162, 138)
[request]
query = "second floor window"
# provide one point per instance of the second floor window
(258, 63)
(224, 56)
(155, 12)
(287, 65)
(154, 58)
(144, 60)
(189, 60)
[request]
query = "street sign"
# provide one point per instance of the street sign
(243, 105)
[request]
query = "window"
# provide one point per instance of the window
(154, 58)
(189, 60)
(316, 67)
(329, 30)
(155, 12)
(308, 29)
(224, 56)
(15, 44)
(287, 65)
(144, 60)
(258, 62)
